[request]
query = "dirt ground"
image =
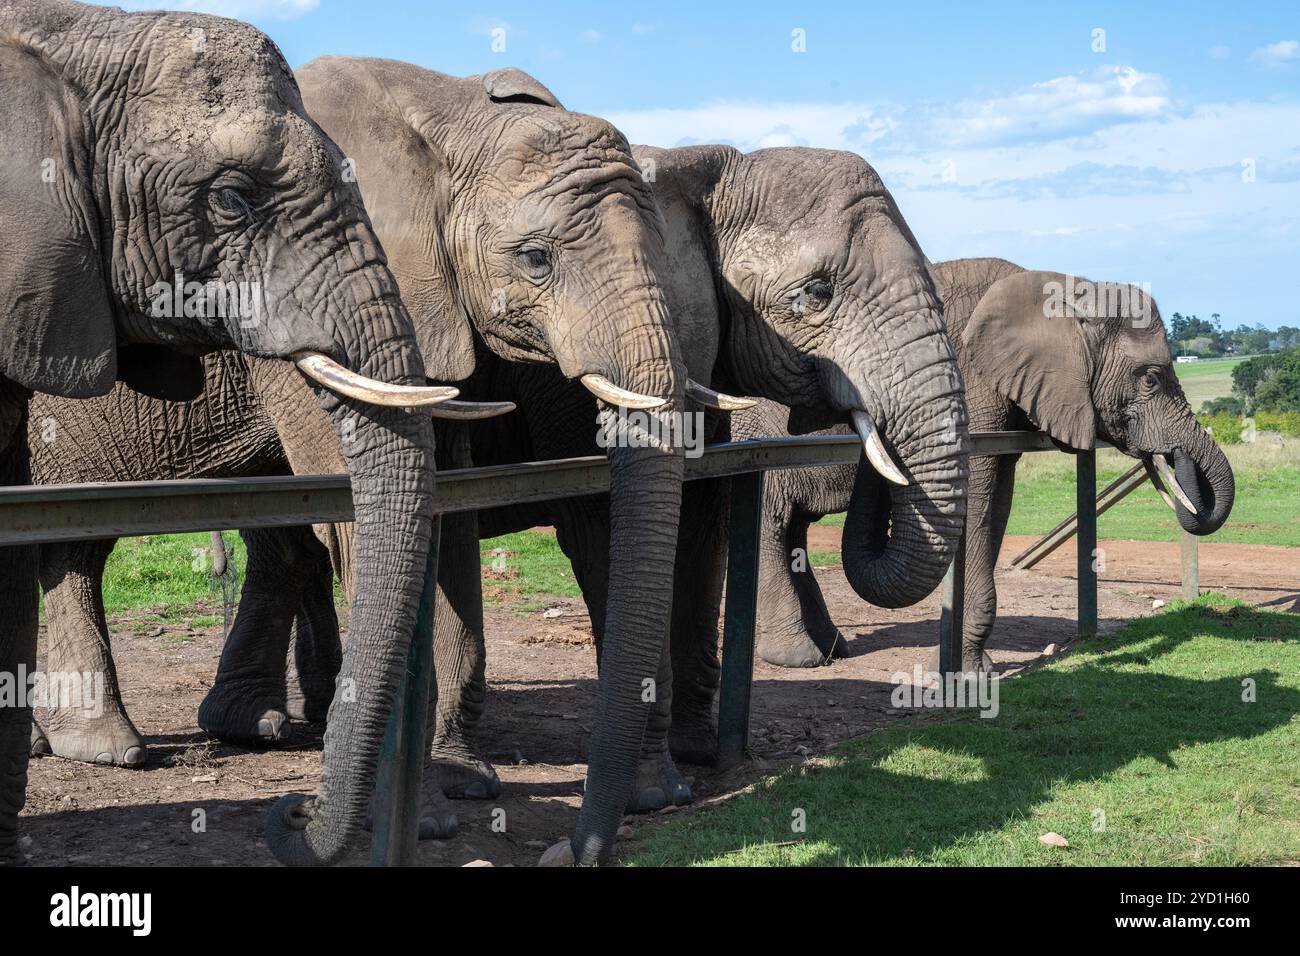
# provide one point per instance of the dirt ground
(541, 667)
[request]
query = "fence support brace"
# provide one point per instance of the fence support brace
(741, 618)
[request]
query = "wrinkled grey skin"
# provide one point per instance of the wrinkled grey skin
(253, 417)
(254, 192)
(1076, 379)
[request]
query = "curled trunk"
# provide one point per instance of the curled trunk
(899, 540)
(1204, 474)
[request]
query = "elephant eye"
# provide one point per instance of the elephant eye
(814, 296)
(535, 262)
(1151, 379)
(230, 205)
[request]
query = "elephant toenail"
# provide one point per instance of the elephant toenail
(104, 758)
(476, 791)
(134, 757)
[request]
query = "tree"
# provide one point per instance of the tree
(1280, 391)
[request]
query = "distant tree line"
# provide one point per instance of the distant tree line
(1265, 383)
(1191, 335)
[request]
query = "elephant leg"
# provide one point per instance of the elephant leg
(697, 600)
(248, 702)
(794, 625)
(91, 726)
(315, 649)
(992, 481)
(457, 767)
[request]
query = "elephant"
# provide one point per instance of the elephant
(514, 227)
(164, 194)
(1038, 351)
(816, 296)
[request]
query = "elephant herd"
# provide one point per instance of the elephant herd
(448, 272)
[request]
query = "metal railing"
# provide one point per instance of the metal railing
(49, 513)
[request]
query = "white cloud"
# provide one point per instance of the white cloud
(236, 9)
(1064, 106)
(1279, 54)
(589, 36)
(755, 125)
(1219, 52)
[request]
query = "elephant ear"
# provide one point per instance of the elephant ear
(56, 317)
(1030, 345)
(516, 86)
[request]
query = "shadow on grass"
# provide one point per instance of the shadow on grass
(938, 783)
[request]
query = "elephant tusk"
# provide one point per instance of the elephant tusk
(1169, 480)
(875, 448)
(607, 391)
(329, 373)
(719, 400)
(472, 411)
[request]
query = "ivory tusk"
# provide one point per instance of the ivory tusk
(1170, 481)
(329, 373)
(719, 400)
(607, 391)
(472, 411)
(875, 448)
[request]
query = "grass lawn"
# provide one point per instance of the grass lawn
(166, 572)
(1140, 749)
(1265, 510)
(528, 562)
(1207, 379)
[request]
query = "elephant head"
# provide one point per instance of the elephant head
(826, 305)
(528, 231)
(1088, 360)
(170, 196)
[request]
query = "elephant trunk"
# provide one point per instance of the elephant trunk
(896, 548)
(645, 490)
(1204, 474)
(389, 455)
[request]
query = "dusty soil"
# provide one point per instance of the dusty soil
(542, 675)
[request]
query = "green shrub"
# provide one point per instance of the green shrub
(1225, 428)
(1224, 405)
(1287, 423)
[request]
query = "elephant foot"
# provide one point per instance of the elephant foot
(658, 785)
(798, 649)
(438, 821)
(241, 714)
(73, 734)
(693, 739)
(461, 774)
(308, 707)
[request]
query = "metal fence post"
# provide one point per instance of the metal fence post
(401, 756)
(742, 614)
(952, 611)
(1191, 565)
(1085, 506)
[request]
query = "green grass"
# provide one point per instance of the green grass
(528, 562)
(1264, 512)
(1207, 379)
(1145, 732)
(167, 573)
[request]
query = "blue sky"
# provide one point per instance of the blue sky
(1164, 150)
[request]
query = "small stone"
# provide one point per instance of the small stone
(553, 612)
(624, 832)
(1157, 604)
(1054, 839)
(1049, 650)
(671, 808)
(477, 863)
(559, 855)
(206, 778)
